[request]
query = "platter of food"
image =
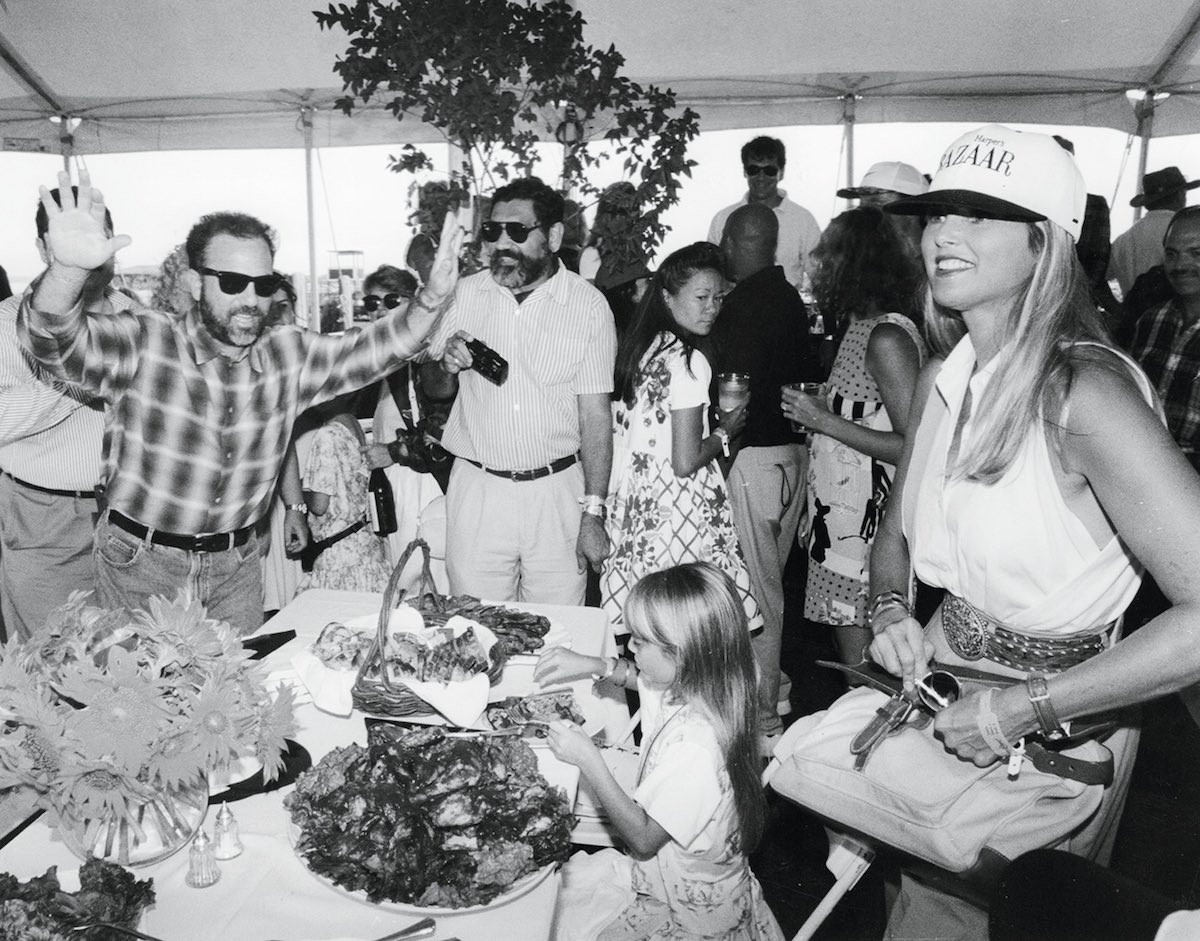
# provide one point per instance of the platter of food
(426, 822)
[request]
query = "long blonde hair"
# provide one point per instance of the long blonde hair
(694, 613)
(1037, 358)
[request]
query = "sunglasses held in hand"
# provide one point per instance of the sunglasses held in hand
(234, 282)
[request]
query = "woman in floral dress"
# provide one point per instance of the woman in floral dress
(335, 488)
(868, 280)
(669, 499)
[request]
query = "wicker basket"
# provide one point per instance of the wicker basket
(373, 691)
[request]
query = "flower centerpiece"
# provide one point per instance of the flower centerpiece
(114, 718)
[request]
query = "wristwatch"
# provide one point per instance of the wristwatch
(1039, 698)
(298, 507)
(594, 505)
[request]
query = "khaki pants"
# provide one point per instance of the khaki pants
(767, 495)
(45, 553)
(514, 540)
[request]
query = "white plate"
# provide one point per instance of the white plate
(523, 886)
(624, 767)
(557, 774)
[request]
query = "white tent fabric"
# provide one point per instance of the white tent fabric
(182, 74)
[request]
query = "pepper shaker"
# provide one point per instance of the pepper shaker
(203, 870)
(227, 845)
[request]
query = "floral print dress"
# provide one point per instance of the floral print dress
(336, 467)
(659, 519)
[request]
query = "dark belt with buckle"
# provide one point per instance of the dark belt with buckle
(79, 494)
(215, 542)
(536, 474)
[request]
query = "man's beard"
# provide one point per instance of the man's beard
(225, 331)
(525, 271)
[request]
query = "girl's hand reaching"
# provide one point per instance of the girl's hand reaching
(562, 665)
(569, 743)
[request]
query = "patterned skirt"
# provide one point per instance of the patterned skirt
(660, 520)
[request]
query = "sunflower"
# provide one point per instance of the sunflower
(214, 723)
(98, 790)
(120, 724)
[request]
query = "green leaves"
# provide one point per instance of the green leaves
(496, 76)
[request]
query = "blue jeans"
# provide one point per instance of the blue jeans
(130, 570)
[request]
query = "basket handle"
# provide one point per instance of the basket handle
(393, 595)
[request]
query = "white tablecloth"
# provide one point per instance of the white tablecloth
(268, 892)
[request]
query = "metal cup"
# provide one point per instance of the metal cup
(733, 390)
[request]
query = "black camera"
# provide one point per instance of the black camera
(487, 362)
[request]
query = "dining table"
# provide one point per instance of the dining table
(268, 892)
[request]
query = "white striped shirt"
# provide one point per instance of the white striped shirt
(51, 434)
(560, 343)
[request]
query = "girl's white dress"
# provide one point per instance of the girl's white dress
(699, 885)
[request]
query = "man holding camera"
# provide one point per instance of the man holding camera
(533, 441)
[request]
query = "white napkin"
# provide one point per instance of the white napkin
(461, 702)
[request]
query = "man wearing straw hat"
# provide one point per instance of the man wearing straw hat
(1164, 192)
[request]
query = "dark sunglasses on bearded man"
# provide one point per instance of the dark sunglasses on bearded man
(234, 282)
(517, 231)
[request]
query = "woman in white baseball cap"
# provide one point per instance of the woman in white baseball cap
(1039, 479)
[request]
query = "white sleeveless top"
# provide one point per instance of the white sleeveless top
(1013, 548)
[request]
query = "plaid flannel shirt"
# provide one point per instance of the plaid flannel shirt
(1168, 349)
(194, 439)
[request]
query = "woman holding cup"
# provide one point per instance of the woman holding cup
(669, 500)
(867, 280)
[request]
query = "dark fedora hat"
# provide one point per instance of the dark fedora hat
(1159, 184)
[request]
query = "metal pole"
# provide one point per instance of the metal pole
(1145, 130)
(314, 297)
(848, 101)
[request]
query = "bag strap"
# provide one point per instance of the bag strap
(309, 554)
(398, 386)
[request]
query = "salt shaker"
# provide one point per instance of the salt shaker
(202, 863)
(225, 835)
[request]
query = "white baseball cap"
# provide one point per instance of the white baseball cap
(1000, 173)
(890, 176)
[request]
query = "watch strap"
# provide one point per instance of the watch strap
(1039, 698)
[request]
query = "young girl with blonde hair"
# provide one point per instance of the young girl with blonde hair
(698, 808)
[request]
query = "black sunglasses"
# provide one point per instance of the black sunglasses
(517, 231)
(757, 169)
(372, 302)
(234, 282)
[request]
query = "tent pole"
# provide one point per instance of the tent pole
(1145, 130)
(314, 294)
(848, 101)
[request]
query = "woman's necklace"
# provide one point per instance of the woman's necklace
(654, 738)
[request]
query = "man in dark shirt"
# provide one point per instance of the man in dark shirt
(763, 331)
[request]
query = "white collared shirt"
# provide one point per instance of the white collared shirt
(560, 343)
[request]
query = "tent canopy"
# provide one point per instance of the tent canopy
(191, 74)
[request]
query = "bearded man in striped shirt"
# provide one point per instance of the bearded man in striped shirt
(527, 497)
(199, 408)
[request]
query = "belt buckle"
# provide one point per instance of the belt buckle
(965, 630)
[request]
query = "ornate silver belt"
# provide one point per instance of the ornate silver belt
(974, 636)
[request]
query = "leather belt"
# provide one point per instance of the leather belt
(214, 542)
(535, 474)
(974, 636)
(80, 494)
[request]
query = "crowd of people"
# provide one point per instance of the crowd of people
(991, 421)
